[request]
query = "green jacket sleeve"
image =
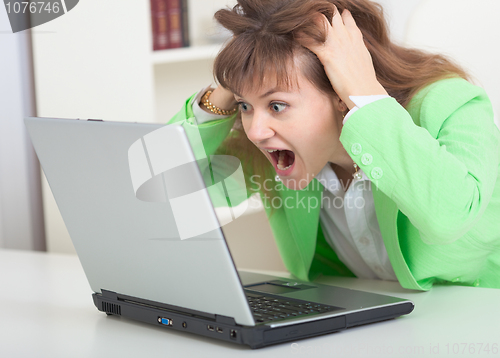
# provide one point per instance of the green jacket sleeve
(438, 160)
(224, 180)
(212, 133)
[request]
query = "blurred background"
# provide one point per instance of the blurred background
(97, 61)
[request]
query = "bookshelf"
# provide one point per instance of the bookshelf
(193, 53)
(109, 70)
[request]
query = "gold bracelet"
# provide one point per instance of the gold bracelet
(214, 109)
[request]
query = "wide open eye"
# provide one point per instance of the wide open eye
(278, 107)
(244, 107)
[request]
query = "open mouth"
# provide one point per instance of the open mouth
(283, 160)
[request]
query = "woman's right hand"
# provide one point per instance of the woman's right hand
(222, 98)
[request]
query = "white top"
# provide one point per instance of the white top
(348, 218)
(351, 228)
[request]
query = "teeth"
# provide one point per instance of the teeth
(281, 159)
(280, 162)
(280, 167)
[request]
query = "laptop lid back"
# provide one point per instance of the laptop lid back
(128, 243)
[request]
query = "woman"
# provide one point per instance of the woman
(372, 160)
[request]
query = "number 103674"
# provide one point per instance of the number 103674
(472, 348)
(33, 7)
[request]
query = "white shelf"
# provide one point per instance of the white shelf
(205, 52)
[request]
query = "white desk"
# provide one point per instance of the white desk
(46, 310)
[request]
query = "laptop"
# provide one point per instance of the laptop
(138, 202)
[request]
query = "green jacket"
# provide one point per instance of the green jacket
(435, 167)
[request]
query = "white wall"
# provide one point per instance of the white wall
(397, 13)
(467, 34)
(21, 220)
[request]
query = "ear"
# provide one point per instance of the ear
(343, 106)
(339, 105)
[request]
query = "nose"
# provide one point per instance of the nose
(258, 127)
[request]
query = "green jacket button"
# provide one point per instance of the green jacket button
(356, 149)
(377, 173)
(367, 159)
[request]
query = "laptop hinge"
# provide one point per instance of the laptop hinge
(109, 294)
(224, 319)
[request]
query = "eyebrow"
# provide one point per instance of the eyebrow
(268, 93)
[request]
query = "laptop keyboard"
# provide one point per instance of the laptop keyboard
(267, 308)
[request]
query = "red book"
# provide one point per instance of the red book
(174, 23)
(185, 23)
(159, 22)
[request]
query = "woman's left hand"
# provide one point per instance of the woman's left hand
(344, 55)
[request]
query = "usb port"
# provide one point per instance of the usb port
(219, 330)
(210, 328)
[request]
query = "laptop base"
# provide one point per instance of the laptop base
(225, 328)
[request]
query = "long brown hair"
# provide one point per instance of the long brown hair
(263, 43)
